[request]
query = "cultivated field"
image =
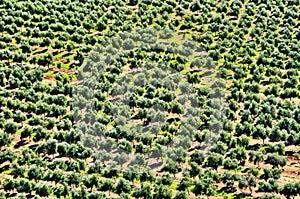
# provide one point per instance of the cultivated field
(149, 99)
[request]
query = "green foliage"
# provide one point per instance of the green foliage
(162, 192)
(290, 190)
(47, 51)
(123, 186)
(276, 160)
(214, 160)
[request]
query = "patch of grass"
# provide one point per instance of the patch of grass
(262, 148)
(19, 132)
(173, 186)
(161, 133)
(59, 55)
(49, 73)
(7, 172)
(184, 72)
(175, 39)
(221, 60)
(66, 66)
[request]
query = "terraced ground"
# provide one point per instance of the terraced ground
(149, 99)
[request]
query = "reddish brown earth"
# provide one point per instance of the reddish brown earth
(64, 70)
(49, 78)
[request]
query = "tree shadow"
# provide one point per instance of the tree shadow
(10, 195)
(173, 119)
(254, 147)
(289, 153)
(40, 51)
(265, 82)
(146, 123)
(67, 54)
(74, 65)
(245, 170)
(48, 159)
(203, 126)
(195, 71)
(4, 168)
(33, 146)
(194, 148)
(156, 165)
(248, 80)
(29, 196)
(29, 116)
(55, 52)
(19, 144)
(207, 73)
(229, 189)
(242, 195)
